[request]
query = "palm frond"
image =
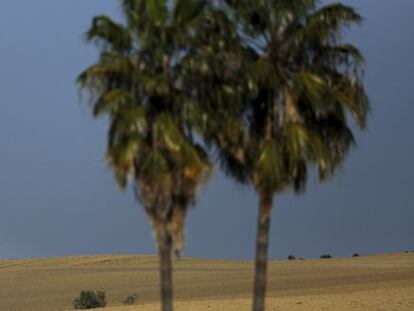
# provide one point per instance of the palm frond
(326, 22)
(113, 35)
(111, 102)
(186, 11)
(269, 171)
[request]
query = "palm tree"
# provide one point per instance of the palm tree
(303, 84)
(137, 84)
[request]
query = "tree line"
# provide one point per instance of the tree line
(264, 89)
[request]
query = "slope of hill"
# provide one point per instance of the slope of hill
(383, 282)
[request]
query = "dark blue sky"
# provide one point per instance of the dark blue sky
(57, 197)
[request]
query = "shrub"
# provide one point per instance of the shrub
(355, 255)
(130, 300)
(291, 257)
(89, 299)
(326, 256)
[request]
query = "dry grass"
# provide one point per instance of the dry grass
(384, 282)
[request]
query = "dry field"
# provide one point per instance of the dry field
(383, 282)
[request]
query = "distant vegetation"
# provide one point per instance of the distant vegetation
(355, 255)
(130, 300)
(89, 299)
(291, 257)
(325, 256)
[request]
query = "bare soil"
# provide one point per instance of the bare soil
(382, 282)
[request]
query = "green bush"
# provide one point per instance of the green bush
(326, 256)
(130, 300)
(291, 257)
(355, 255)
(89, 299)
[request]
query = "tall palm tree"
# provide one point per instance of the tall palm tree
(137, 84)
(303, 84)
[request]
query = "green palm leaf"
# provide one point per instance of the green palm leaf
(111, 34)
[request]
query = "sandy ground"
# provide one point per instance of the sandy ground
(383, 282)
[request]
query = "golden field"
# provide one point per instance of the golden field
(382, 282)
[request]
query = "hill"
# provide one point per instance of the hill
(382, 282)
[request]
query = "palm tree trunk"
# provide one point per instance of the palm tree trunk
(165, 250)
(262, 242)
